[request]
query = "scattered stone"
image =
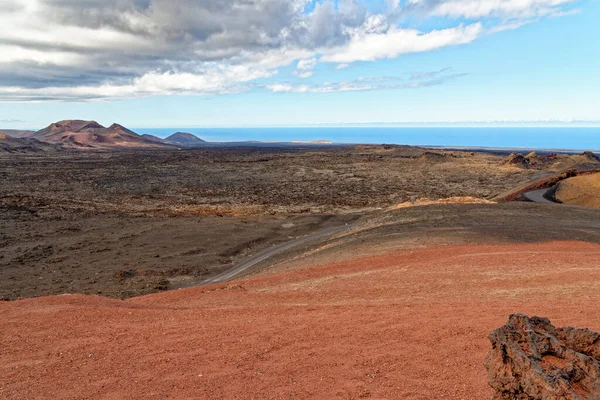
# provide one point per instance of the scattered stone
(531, 359)
(162, 285)
(123, 275)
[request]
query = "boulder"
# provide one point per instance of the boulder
(517, 159)
(531, 359)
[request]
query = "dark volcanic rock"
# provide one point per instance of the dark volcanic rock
(517, 159)
(9, 144)
(531, 359)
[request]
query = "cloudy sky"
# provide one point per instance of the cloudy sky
(153, 63)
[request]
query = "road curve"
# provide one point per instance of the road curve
(537, 196)
(267, 253)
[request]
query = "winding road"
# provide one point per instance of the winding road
(537, 196)
(271, 251)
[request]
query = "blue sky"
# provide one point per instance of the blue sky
(430, 62)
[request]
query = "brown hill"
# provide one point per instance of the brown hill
(10, 144)
(153, 138)
(185, 139)
(91, 135)
(16, 133)
(581, 190)
(587, 157)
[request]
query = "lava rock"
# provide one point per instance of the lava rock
(517, 159)
(531, 359)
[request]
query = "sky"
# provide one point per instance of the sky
(228, 63)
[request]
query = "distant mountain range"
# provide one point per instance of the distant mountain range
(82, 135)
(90, 135)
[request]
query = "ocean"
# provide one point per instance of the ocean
(576, 138)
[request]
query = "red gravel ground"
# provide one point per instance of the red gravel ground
(405, 325)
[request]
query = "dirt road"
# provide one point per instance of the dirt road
(267, 253)
(537, 196)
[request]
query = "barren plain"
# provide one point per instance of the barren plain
(123, 224)
(396, 304)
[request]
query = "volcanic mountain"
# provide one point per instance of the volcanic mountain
(91, 135)
(185, 139)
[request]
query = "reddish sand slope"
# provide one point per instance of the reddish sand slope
(406, 325)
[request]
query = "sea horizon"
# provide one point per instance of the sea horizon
(547, 138)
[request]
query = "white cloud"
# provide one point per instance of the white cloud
(306, 74)
(390, 44)
(423, 80)
(520, 9)
(307, 65)
(304, 68)
(94, 49)
(217, 80)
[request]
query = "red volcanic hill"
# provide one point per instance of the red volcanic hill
(91, 135)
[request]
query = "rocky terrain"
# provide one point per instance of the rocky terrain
(130, 223)
(531, 359)
(16, 145)
(16, 133)
(553, 161)
(242, 181)
(396, 304)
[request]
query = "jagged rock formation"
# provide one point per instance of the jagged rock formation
(530, 359)
(558, 161)
(517, 159)
(589, 156)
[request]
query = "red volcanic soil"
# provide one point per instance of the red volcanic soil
(404, 325)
